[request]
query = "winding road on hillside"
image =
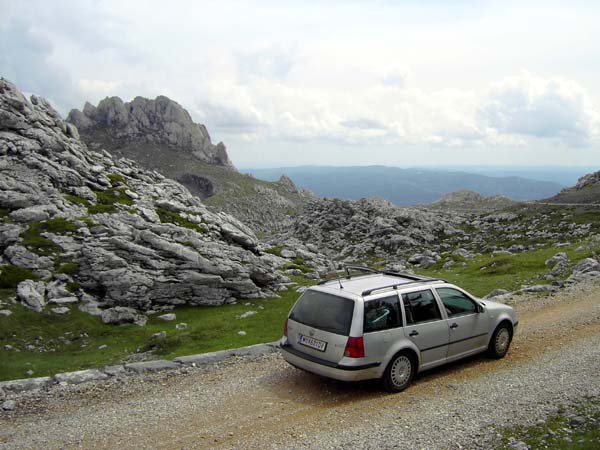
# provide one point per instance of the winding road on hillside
(264, 403)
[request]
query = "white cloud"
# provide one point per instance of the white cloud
(383, 76)
(537, 107)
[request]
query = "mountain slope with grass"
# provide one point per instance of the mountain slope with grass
(80, 227)
(585, 191)
(160, 135)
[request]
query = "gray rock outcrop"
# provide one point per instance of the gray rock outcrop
(129, 237)
(160, 121)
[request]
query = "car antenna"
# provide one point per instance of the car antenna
(339, 279)
(337, 273)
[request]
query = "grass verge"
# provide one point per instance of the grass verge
(71, 342)
(487, 272)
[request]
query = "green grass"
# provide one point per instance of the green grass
(485, 273)
(33, 239)
(77, 200)
(115, 178)
(11, 276)
(300, 267)
(209, 329)
(106, 201)
(553, 432)
(167, 216)
(69, 268)
(275, 250)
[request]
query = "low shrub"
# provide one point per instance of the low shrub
(11, 276)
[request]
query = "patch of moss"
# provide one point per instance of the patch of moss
(58, 225)
(69, 268)
(167, 216)
(11, 276)
(77, 200)
(100, 209)
(275, 250)
(300, 267)
(106, 201)
(32, 239)
(115, 178)
(73, 286)
(298, 260)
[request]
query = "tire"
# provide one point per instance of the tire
(399, 373)
(500, 341)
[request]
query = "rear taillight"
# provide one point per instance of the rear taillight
(355, 348)
(285, 328)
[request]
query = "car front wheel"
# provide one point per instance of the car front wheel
(399, 373)
(500, 341)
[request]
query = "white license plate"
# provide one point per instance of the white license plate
(312, 342)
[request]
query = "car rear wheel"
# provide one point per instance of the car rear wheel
(500, 341)
(399, 372)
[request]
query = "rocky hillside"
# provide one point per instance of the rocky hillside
(160, 135)
(371, 228)
(376, 232)
(586, 191)
(472, 201)
(83, 227)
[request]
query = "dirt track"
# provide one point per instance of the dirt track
(554, 359)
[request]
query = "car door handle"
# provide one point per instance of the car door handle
(454, 325)
(414, 333)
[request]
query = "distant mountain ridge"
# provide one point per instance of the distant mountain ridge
(405, 186)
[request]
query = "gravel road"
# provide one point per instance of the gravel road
(264, 403)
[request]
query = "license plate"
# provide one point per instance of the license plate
(312, 342)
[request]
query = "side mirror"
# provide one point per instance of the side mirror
(480, 308)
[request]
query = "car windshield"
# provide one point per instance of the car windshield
(325, 312)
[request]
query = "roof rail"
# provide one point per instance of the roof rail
(396, 285)
(359, 269)
(409, 276)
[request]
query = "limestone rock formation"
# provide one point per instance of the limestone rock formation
(159, 121)
(160, 135)
(108, 231)
(472, 201)
(585, 191)
(367, 228)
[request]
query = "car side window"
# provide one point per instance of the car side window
(420, 306)
(456, 303)
(382, 314)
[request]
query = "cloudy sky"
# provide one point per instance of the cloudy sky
(337, 82)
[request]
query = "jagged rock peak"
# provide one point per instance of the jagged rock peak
(161, 120)
(287, 182)
(587, 180)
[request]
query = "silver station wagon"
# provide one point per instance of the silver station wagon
(391, 326)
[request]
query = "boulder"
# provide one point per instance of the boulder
(121, 315)
(80, 376)
(168, 317)
(151, 366)
(31, 294)
(36, 213)
(496, 293)
(587, 265)
(561, 256)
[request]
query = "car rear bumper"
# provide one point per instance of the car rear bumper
(326, 368)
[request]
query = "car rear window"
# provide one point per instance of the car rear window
(325, 312)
